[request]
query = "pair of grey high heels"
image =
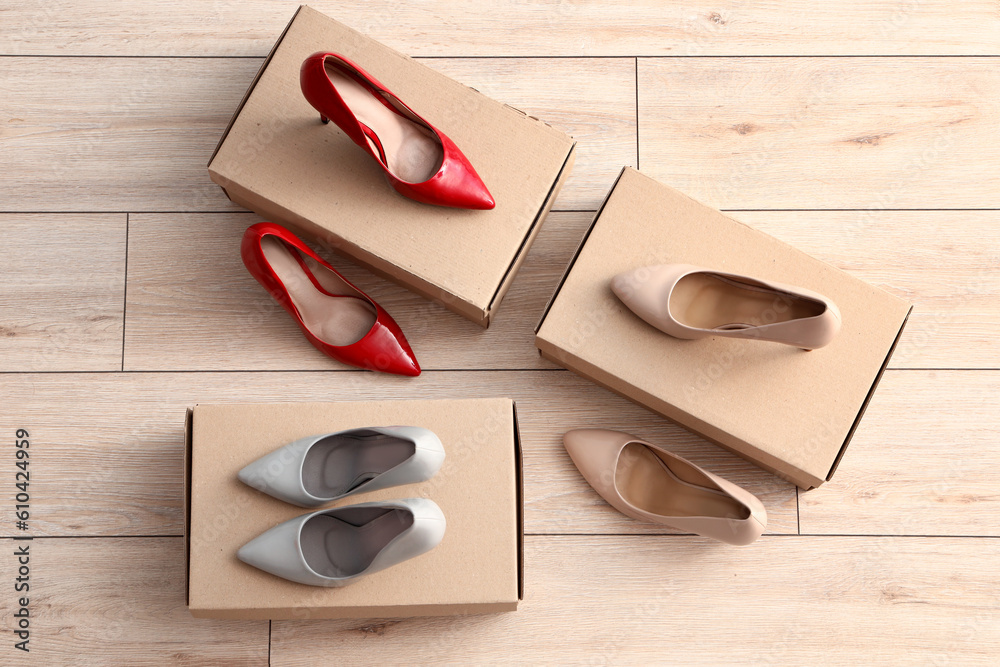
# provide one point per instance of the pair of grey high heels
(334, 547)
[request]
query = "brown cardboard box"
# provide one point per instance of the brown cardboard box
(277, 159)
(788, 411)
(477, 568)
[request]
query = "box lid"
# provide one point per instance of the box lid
(288, 164)
(788, 410)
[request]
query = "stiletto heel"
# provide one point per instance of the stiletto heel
(420, 161)
(340, 320)
(324, 119)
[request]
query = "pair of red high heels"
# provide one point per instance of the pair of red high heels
(420, 163)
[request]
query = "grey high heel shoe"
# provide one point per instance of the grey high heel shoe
(335, 547)
(319, 469)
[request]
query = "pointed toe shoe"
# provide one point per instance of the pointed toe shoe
(648, 483)
(690, 302)
(335, 547)
(319, 469)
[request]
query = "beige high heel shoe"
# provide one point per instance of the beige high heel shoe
(691, 302)
(648, 483)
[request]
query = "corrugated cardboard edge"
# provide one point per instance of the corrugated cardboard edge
(579, 249)
(253, 84)
(395, 611)
(762, 459)
(188, 425)
(529, 239)
(519, 501)
(868, 398)
(481, 316)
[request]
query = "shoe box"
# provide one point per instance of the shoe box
(277, 159)
(787, 410)
(477, 567)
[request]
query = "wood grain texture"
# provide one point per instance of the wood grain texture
(106, 453)
(946, 263)
(218, 318)
(62, 283)
(110, 463)
(898, 559)
(809, 133)
(591, 99)
(119, 601)
(510, 27)
(684, 600)
(921, 462)
(109, 134)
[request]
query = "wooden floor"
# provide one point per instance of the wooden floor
(866, 132)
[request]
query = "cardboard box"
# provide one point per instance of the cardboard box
(277, 159)
(477, 567)
(788, 411)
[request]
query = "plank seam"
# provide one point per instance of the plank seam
(637, 113)
(426, 370)
(798, 512)
(876, 209)
(765, 535)
(519, 57)
(125, 291)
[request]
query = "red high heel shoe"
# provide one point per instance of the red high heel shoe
(339, 319)
(420, 162)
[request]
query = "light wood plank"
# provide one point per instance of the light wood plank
(923, 461)
(682, 600)
(946, 263)
(112, 134)
(107, 448)
(509, 27)
(192, 305)
(62, 284)
(217, 318)
(823, 132)
(119, 601)
(591, 99)
(898, 599)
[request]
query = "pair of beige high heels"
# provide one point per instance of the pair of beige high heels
(649, 483)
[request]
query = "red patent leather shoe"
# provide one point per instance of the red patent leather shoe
(420, 162)
(339, 319)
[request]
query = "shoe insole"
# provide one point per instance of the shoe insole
(341, 317)
(336, 546)
(648, 482)
(410, 150)
(714, 302)
(338, 464)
